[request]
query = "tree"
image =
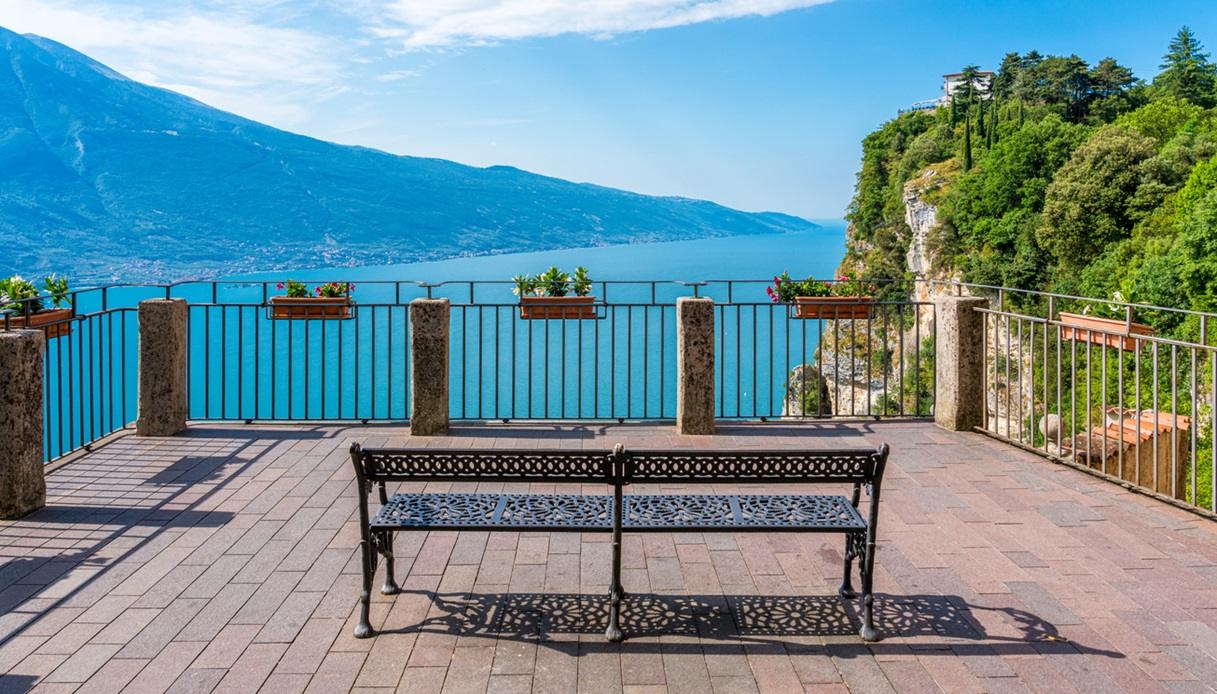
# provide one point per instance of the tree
(1163, 118)
(1187, 72)
(967, 144)
(1108, 78)
(1088, 203)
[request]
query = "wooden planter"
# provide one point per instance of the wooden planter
(557, 307)
(830, 307)
(55, 322)
(310, 308)
(1110, 332)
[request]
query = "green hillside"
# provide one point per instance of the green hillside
(1068, 176)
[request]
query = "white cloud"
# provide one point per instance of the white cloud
(223, 57)
(437, 23)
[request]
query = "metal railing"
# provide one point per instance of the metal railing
(245, 363)
(1129, 401)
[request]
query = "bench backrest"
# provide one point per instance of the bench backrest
(497, 465)
(857, 466)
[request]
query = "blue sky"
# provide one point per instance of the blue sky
(757, 104)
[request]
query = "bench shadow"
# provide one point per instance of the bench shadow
(934, 623)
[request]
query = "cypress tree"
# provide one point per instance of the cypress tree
(993, 124)
(967, 144)
(980, 118)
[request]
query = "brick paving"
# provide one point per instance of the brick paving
(225, 560)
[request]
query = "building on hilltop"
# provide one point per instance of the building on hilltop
(952, 82)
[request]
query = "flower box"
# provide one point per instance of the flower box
(1110, 332)
(833, 307)
(557, 307)
(310, 308)
(55, 322)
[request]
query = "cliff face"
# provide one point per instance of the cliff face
(882, 366)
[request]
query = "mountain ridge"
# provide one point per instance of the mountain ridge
(103, 177)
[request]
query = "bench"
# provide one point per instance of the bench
(619, 512)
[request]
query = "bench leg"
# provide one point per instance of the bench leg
(851, 550)
(614, 633)
(364, 628)
(867, 566)
(390, 586)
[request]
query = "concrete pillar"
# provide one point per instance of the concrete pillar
(694, 365)
(162, 367)
(959, 371)
(429, 367)
(22, 479)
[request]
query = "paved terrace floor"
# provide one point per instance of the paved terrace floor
(225, 560)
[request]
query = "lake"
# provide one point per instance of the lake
(245, 366)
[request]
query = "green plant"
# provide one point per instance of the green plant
(581, 283)
(334, 290)
(785, 288)
(296, 290)
(526, 285)
(852, 286)
(553, 282)
(20, 295)
(57, 288)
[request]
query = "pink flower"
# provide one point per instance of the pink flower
(279, 286)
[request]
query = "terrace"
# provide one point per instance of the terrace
(225, 557)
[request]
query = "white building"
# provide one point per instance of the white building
(982, 83)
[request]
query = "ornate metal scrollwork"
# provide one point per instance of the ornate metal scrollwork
(424, 463)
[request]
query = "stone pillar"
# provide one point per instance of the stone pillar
(162, 367)
(429, 367)
(959, 371)
(694, 365)
(22, 480)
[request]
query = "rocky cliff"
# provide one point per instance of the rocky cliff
(882, 366)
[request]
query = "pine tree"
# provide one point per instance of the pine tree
(1187, 72)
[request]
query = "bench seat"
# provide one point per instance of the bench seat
(642, 512)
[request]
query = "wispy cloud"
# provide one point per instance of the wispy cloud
(212, 51)
(397, 75)
(422, 24)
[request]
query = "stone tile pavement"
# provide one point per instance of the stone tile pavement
(225, 560)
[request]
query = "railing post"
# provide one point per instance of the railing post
(694, 365)
(22, 477)
(959, 371)
(429, 366)
(162, 367)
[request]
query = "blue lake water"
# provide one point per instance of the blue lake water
(245, 366)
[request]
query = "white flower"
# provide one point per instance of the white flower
(539, 291)
(516, 291)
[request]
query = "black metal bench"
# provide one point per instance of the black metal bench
(619, 512)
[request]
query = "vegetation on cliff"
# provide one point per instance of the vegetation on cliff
(1065, 176)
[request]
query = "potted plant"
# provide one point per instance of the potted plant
(555, 295)
(1105, 323)
(844, 298)
(328, 301)
(28, 306)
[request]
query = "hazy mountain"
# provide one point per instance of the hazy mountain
(104, 177)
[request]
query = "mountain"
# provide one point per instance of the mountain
(102, 177)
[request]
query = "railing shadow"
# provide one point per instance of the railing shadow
(165, 510)
(728, 621)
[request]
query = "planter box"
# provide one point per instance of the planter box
(830, 307)
(55, 322)
(310, 308)
(1110, 332)
(557, 307)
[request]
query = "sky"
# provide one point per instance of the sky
(756, 104)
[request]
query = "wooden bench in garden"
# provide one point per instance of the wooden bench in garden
(619, 512)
